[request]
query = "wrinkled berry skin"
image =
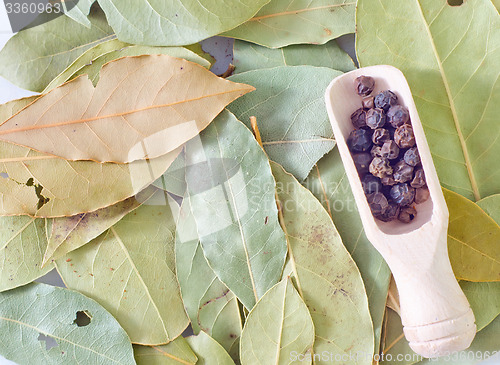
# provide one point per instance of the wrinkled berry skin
(402, 194)
(407, 214)
(375, 118)
(376, 151)
(378, 203)
(404, 136)
(388, 180)
(389, 150)
(390, 214)
(385, 100)
(419, 179)
(380, 167)
(362, 162)
(402, 172)
(360, 140)
(421, 195)
(412, 157)
(358, 118)
(368, 102)
(371, 184)
(397, 115)
(380, 135)
(364, 85)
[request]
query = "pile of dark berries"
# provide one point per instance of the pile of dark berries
(384, 151)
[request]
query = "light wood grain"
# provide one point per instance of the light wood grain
(436, 315)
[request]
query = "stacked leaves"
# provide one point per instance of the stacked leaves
(140, 177)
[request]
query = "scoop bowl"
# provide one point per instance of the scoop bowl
(436, 316)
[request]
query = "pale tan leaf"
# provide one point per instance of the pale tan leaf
(142, 107)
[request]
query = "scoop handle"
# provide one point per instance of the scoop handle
(436, 315)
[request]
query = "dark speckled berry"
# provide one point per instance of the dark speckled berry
(360, 140)
(404, 136)
(390, 214)
(402, 194)
(364, 85)
(380, 167)
(398, 115)
(376, 151)
(375, 118)
(385, 100)
(378, 203)
(358, 118)
(419, 179)
(402, 172)
(389, 150)
(371, 184)
(412, 157)
(362, 162)
(407, 214)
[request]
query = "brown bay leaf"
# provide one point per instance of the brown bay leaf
(69, 233)
(67, 188)
(153, 103)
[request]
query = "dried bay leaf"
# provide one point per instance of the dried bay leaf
(290, 110)
(484, 299)
(232, 195)
(37, 313)
(279, 326)
(328, 182)
(178, 22)
(91, 62)
(78, 10)
(284, 22)
(174, 353)
(34, 56)
(69, 233)
(210, 305)
(452, 69)
(249, 56)
(157, 102)
(473, 238)
(130, 271)
(491, 205)
(174, 179)
(209, 351)
(22, 243)
(326, 276)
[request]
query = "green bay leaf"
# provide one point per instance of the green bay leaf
(248, 56)
(22, 243)
(450, 56)
(328, 182)
(284, 22)
(174, 353)
(232, 195)
(279, 326)
(69, 233)
(473, 238)
(289, 106)
(34, 56)
(491, 205)
(78, 10)
(174, 179)
(209, 351)
(91, 62)
(176, 23)
(130, 270)
(38, 313)
(326, 276)
(210, 305)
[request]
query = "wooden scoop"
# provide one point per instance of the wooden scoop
(436, 315)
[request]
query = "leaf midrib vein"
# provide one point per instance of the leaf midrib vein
(294, 12)
(56, 337)
(461, 138)
(77, 121)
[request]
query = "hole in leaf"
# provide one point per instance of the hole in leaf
(82, 319)
(49, 341)
(4, 175)
(455, 2)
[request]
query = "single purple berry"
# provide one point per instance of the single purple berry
(362, 161)
(364, 85)
(402, 172)
(360, 140)
(404, 136)
(358, 118)
(398, 115)
(412, 157)
(402, 194)
(385, 100)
